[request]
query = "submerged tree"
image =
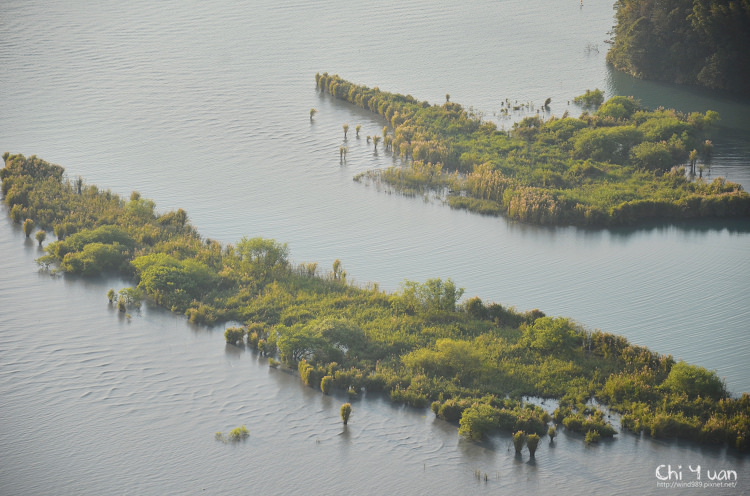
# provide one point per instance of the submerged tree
(234, 335)
(356, 130)
(28, 226)
(346, 411)
(312, 113)
(693, 157)
(41, 236)
(532, 441)
(519, 438)
(346, 130)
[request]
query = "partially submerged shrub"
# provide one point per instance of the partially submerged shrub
(592, 437)
(519, 438)
(552, 432)
(346, 411)
(325, 384)
(532, 441)
(234, 335)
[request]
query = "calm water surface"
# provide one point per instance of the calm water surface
(205, 107)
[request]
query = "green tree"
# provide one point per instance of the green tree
(346, 129)
(297, 342)
(325, 384)
(552, 432)
(590, 99)
(40, 236)
(346, 411)
(651, 156)
(693, 157)
(532, 441)
(28, 226)
(234, 335)
(432, 295)
(695, 381)
(552, 334)
(356, 130)
(263, 255)
(478, 420)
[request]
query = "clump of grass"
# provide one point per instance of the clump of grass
(235, 435)
(238, 433)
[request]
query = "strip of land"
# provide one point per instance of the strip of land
(422, 345)
(616, 164)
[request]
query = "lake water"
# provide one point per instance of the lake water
(206, 107)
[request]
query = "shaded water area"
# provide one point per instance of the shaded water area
(206, 107)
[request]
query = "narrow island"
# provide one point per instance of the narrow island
(472, 361)
(617, 164)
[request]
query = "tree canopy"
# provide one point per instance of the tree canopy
(697, 42)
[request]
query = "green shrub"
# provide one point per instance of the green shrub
(234, 335)
(532, 441)
(590, 98)
(519, 439)
(346, 411)
(552, 432)
(28, 226)
(325, 384)
(695, 381)
(478, 420)
(592, 437)
(238, 434)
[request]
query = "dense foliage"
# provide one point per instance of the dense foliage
(615, 166)
(698, 42)
(471, 361)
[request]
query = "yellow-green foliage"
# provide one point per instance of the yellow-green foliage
(607, 168)
(233, 335)
(420, 345)
(346, 412)
(235, 435)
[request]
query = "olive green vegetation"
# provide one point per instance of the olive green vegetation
(346, 411)
(614, 166)
(421, 345)
(696, 42)
(235, 435)
(519, 439)
(532, 441)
